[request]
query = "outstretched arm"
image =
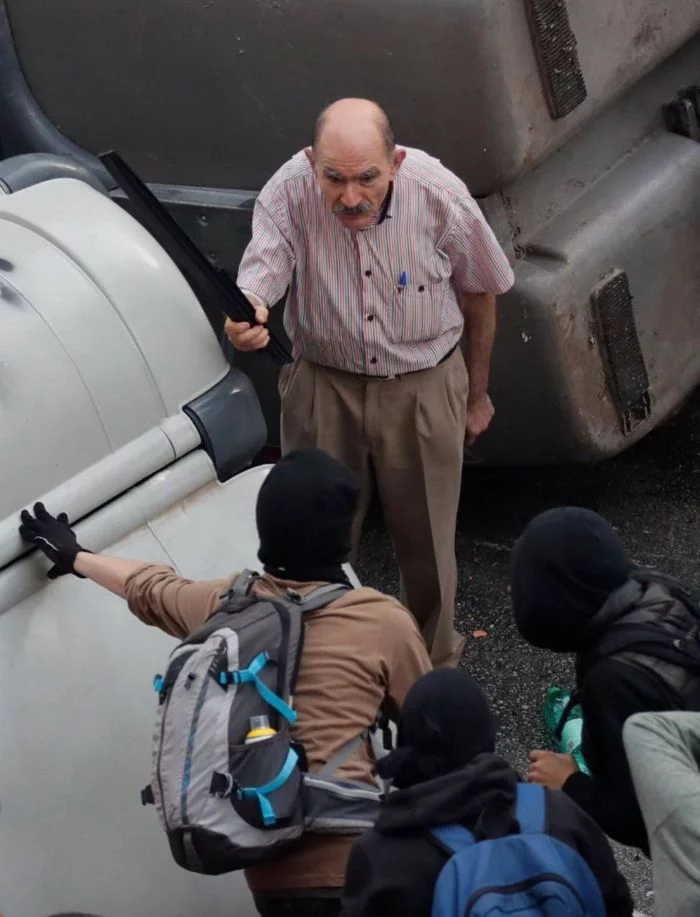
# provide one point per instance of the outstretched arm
(56, 539)
(155, 593)
(109, 572)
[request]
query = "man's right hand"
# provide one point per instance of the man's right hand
(245, 337)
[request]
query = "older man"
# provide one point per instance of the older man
(385, 257)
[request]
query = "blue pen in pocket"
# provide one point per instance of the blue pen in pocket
(403, 279)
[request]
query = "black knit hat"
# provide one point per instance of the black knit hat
(563, 569)
(445, 722)
(304, 515)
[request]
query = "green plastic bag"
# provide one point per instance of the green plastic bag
(570, 741)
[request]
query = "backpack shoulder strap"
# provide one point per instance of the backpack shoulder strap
(453, 838)
(675, 587)
(530, 808)
(242, 584)
(236, 597)
(320, 597)
(645, 575)
(341, 756)
(344, 753)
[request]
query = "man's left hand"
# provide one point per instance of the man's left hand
(480, 413)
(550, 769)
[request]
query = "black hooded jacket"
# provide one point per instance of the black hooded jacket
(575, 590)
(394, 867)
(654, 670)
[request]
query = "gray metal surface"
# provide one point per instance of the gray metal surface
(518, 213)
(24, 127)
(108, 478)
(218, 221)
(547, 337)
(219, 94)
(101, 338)
(31, 168)
(27, 574)
(482, 104)
(522, 208)
(549, 385)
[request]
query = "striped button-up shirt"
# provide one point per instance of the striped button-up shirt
(380, 301)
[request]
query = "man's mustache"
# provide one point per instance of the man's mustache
(341, 209)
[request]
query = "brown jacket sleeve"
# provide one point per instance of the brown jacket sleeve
(405, 656)
(158, 596)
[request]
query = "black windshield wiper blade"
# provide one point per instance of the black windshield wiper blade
(216, 291)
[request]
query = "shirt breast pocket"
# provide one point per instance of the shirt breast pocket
(417, 312)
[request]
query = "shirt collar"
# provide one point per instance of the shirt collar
(386, 211)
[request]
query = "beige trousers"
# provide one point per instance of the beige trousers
(407, 435)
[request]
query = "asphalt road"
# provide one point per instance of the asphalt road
(650, 494)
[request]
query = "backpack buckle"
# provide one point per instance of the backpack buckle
(160, 687)
(221, 785)
(382, 724)
(229, 678)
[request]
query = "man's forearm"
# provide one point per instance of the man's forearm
(479, 311)
(109, 572)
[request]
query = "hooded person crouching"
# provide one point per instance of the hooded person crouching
(636, 639)
(444, 771)
(361, 652)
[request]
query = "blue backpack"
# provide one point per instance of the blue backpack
(529, 874)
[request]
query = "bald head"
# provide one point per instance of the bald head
(354, 122)
(355, 160)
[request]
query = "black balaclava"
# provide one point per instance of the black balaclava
(304, 515)
(445, 723)
(563, 569)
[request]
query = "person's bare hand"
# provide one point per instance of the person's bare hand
(480, 413)
(245, 337)
(550, 769)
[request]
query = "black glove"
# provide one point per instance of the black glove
(52, 535)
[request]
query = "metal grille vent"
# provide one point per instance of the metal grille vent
(557, 53)
(625, 368)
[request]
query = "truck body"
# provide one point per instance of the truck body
(573, 122)
(146, 440)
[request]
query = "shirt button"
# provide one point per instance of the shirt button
(421, 288)
(370, 318)
(373, 360)
(368, 273)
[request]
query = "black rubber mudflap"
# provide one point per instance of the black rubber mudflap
(622, 354)
(557, 53)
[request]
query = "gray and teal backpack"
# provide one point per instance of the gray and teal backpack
(225, 805)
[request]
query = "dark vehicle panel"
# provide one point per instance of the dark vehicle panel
(219, 93)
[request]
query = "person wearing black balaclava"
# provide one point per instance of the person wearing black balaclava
(445, 771)
(575, 590)
(304, 516)
(361, 652)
